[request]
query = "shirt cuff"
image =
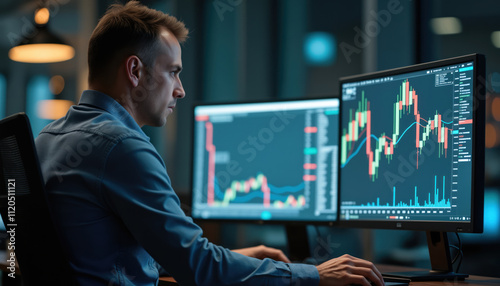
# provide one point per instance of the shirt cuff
(304, 274)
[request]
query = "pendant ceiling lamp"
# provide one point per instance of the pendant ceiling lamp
(42, 46)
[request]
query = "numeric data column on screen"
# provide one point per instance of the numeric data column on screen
(462, 139)
(326, 185)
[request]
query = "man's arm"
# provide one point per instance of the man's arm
(149, 208)
(344, 270)
(138, 190)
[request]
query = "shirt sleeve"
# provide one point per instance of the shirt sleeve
(136, 186)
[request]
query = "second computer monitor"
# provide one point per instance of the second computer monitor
(266, 161)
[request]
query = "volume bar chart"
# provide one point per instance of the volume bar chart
(436, 199)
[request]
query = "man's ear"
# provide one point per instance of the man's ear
(134, 69)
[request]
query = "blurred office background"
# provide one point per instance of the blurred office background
(245, 50)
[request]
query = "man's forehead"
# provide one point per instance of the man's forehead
(170, 46)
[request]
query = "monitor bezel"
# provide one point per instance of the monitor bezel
(252, 220)
(478, 157)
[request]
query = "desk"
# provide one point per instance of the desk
(473, 280)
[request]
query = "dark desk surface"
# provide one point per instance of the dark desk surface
(472, 280)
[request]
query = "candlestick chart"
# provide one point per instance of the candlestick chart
(225, 188)
(360, 127)
(396, 144)
(267, 164)
(259, 190)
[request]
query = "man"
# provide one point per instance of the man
(108, 188)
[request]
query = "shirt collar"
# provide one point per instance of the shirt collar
(103, 101)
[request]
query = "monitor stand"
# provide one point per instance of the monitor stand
(442, 268)
(298, 242)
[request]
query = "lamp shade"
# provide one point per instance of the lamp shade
(43, 47)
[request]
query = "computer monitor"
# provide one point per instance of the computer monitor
(412, 152)
(271, 161)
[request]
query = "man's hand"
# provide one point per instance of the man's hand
(262, 252)
(346, 270)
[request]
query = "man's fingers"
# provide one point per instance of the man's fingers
(368, 274)
(365, 269)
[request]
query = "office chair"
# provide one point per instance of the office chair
(24, 209)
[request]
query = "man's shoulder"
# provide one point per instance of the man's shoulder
(95, 123)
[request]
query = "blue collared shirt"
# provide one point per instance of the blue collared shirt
(119, 217)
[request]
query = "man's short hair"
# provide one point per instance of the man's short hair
(130, 29)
